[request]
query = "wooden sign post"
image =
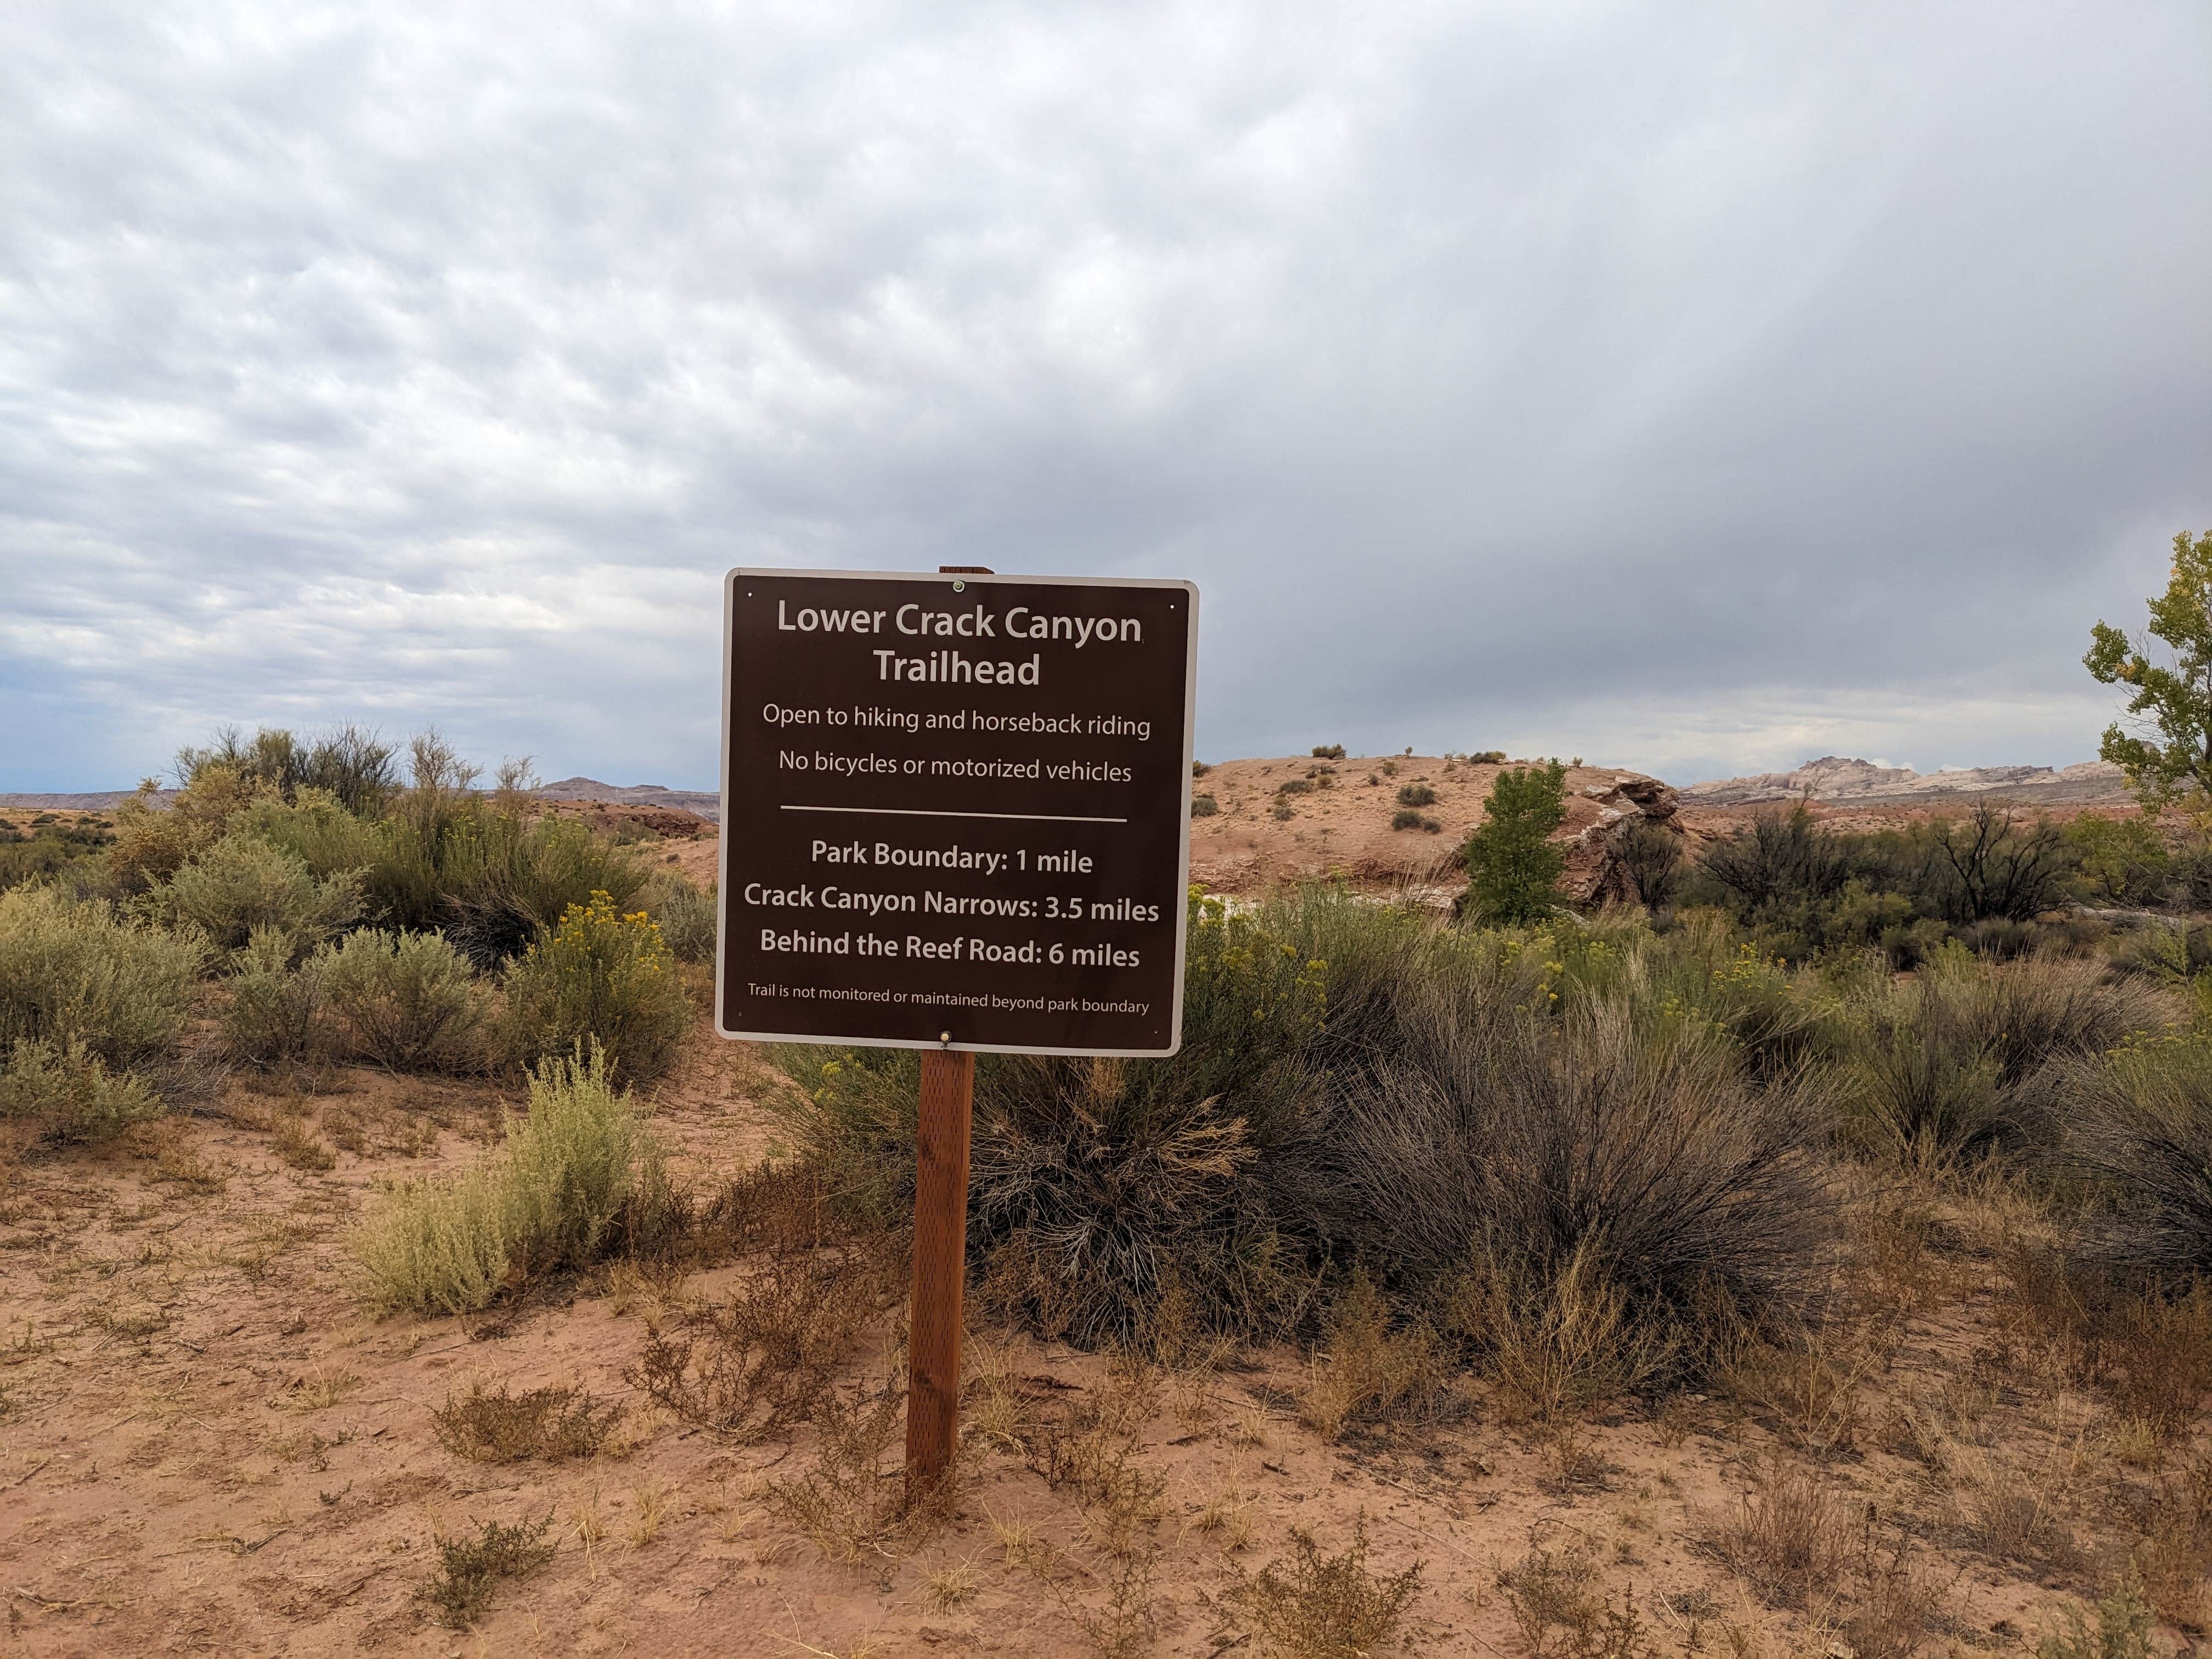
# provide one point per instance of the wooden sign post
(940, 1260)
(956, 818)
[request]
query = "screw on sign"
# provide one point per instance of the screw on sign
(956, 818)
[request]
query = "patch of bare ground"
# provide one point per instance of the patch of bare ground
(206, 1445)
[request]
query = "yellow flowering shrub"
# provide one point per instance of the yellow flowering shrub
(599, 974)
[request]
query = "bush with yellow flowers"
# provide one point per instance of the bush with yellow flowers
(599, 974)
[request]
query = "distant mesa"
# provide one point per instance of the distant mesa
(1833, 778)
(700, 803)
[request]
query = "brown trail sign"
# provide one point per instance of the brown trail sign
(956, 817)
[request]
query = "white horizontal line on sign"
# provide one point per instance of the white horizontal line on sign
(927, 812)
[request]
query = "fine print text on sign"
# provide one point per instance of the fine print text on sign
(956, 805)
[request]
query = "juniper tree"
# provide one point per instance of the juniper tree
(1513, 868)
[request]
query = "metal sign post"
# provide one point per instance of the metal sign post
(956, 817)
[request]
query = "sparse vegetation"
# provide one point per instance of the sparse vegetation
(1325, 1607)
(470, 1568)
(685, 916)
(496, 1425)
(1203, 806)
(765, 1360)
(571, 1173)
(1417, 794)
(1760, 1182)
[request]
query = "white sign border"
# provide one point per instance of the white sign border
(947, 578)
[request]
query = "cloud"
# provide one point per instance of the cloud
(1698, 391)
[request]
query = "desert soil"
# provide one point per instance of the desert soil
(207, 1445)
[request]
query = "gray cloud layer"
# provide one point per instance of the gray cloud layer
(1699, 391)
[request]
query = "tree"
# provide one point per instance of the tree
(1513, 869)
(1997, 869)
(2172, 706)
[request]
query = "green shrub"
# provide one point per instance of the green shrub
(487, 876)
(242, 883)
(1407, 818)
(600, 977)
(406, 1001)
(275, 1016)
(1513, 868)
(2140, 1126)
(73, 972)
(315, 828)
(570, 1180)
(1487, 757)
(1096, 1183)
(50, 850)
(1956, 1062)
(1649, 858)
(1203, 806)
(1328, 751)
(1591, 1147)
(1417, 794)
(351, 766)
(52, 1095)
(2122, 860)
(153, 842)
(1778, 860)
(686, 915)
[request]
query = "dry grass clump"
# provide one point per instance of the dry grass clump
(574, 1175)
(2139, 1129)
(767, 1359)
(1611, 1198)
(1325, 1607)
(2174, 1556)
(1368, 1372)
(1968, 1057)
(1789, 1538)
(1800, 1545)
(496, 1425)
(470, 1568)
(2146, 1347)
(850, 1506)
(1551, 1342)
(685, 913)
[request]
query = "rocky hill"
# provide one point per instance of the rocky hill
(1290, 817)
(705, 804)
(1835, 780)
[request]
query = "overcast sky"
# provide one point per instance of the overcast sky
(1698, 389)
